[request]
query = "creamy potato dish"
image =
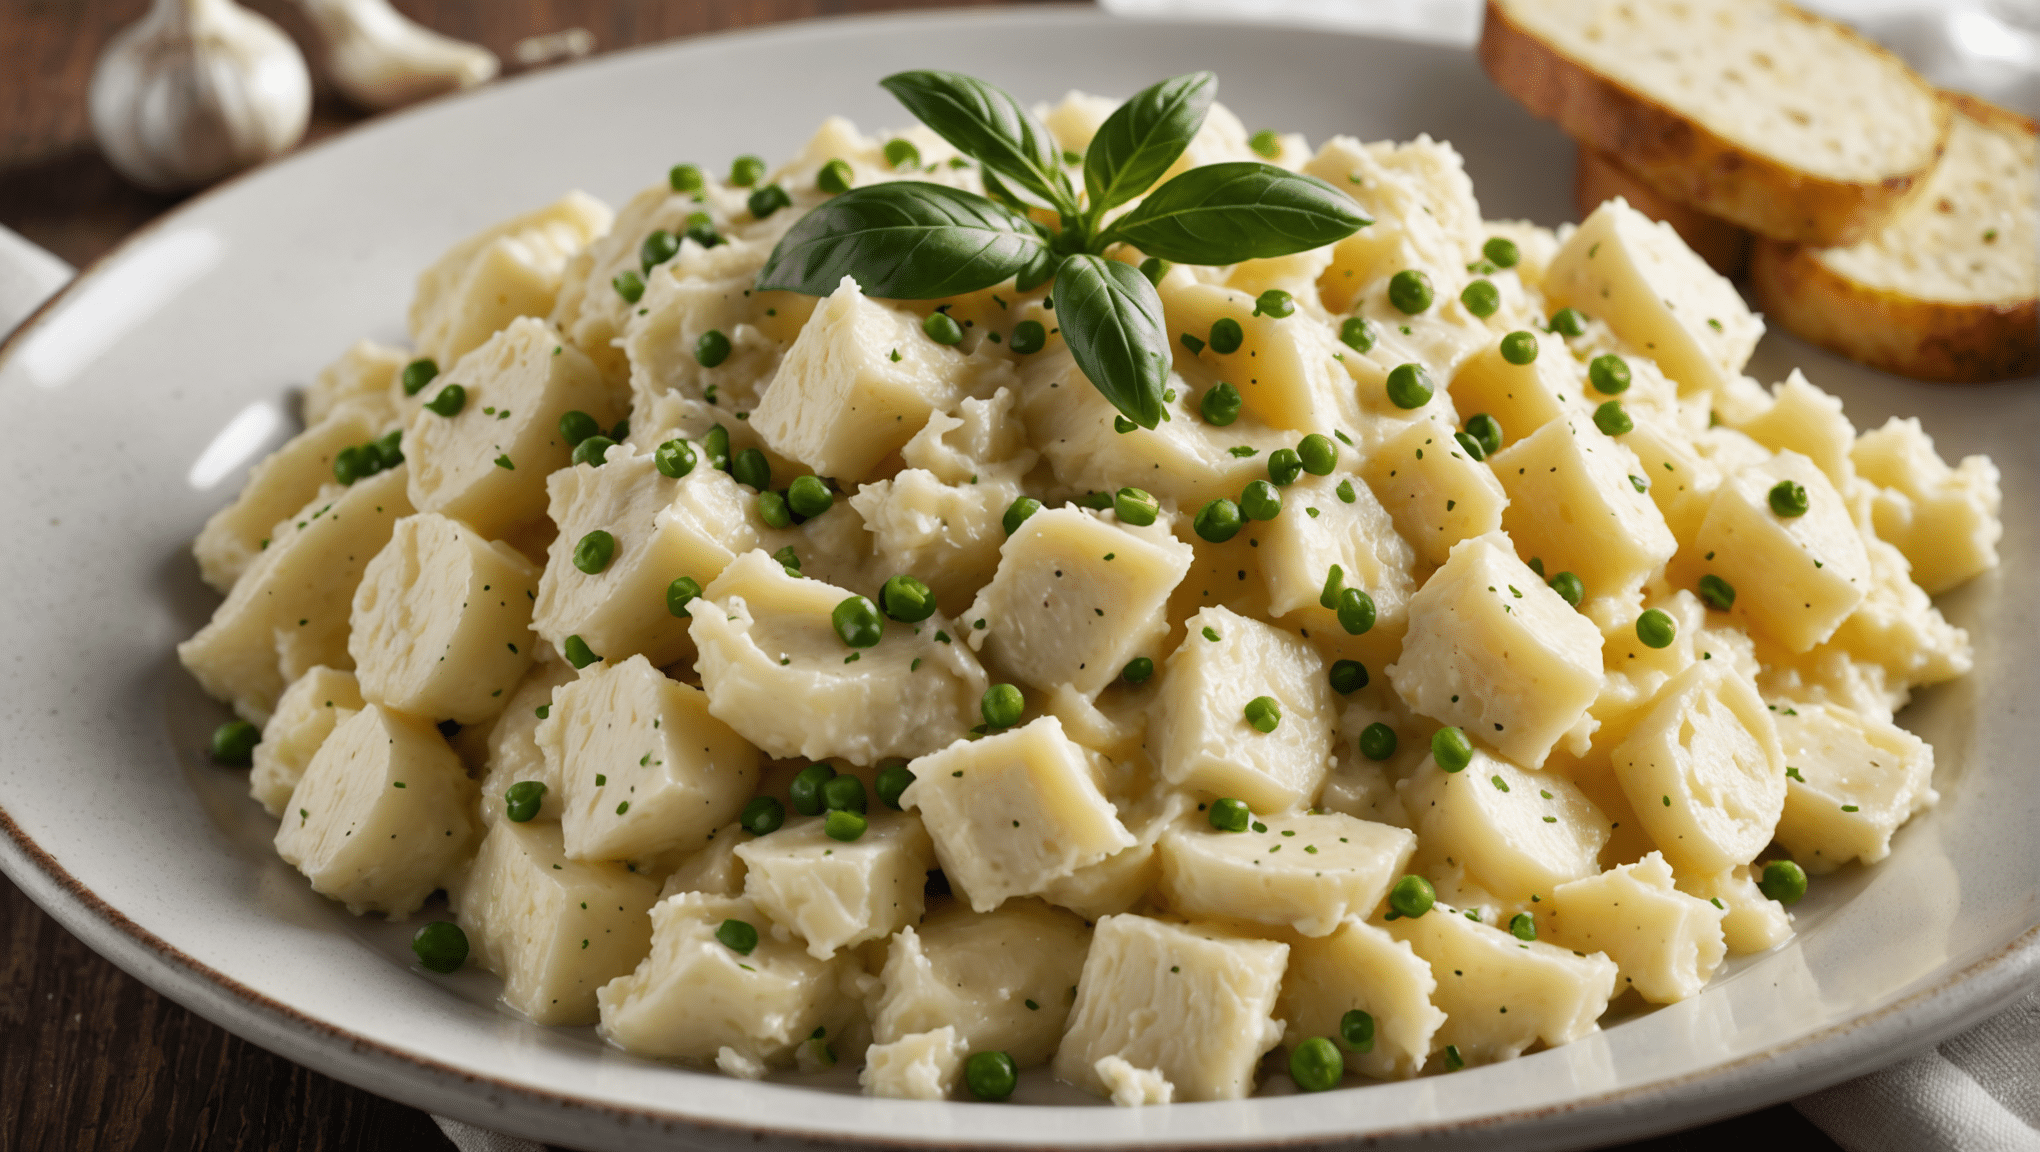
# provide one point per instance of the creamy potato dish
(1394, 650)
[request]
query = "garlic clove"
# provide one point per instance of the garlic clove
(381, 59)
(197, 90)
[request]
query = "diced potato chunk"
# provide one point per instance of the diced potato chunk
(1518, 833)
(1852, 782)
(1013, 812)
(694, 996)
(1131, 1087)
(1704, 771)
(1205, 741)
(442, 621)
(1574, 502)
(1305, 872)
(1944, 519)
(716, 869)
(554, 929)
(1666, 944)
(1075, 597)
(306, 713)
(1806, 420)
(507, 271)
(288, 613)
(1283, 368)
(366, 377)
(1437, 494)
(766, 640)
(641, 765)
(1521, 397)
(1425, 214)
(1187, 1000)
(513, 754)
(487, 464)
(383, 815)
(1361, 967)
(1796, 578)
(946, 534)
(918, 1066)
(1493, 651)
(1751, 921)
(1551, 994)
(277, 486)
(1351, 529)
(1000, 979)
(835, 895)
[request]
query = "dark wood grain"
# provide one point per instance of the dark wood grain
(90, 1059)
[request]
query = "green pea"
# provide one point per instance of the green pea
(701, 230)
(1501, 252)
(1481, 298)
(763, 816)
(594, 552)
(1410, 291)
(902, 153)
(1136, 507)
(809, 496)
(1412, 896)
(1357, 334)
(1275, 302)
(738, 936)
(1520, 348)
(788, 559)
(894, 777)
(942, 328)
(1264, 713)
(750, 467)
(806, 789)
(1719, 593)
(1356, 611)
(767, 200)
(1318, 454)
(1265, 143)
(1316, 1065)
(577, 652)
(388, 448)
(233, 743)
(1356, 1030)
(1154, 268)
(1028, 337)
(1409, 386)
(576, 426)
(685, 178)
(1470, 446)
(1284, 466)
(441, 946)
(629, 285)
(1348, 676)
(521, 800)
(594, 451)
(1788, 499)
(1486, 431)
(1451, 749)
(1656, 629)
(746, 171)
(449, 402)
(1261, 501)
(843, 793)
(1568, 587)
(1230, 815)
(835, 178)
(844, 826)
(352, 463)
(717, 445)
(1784, 881)
(990, 1075)
(1138, 670)
(1377, 741)
(1569, 322)
(417, 374)
(1226, 336)
(1612, 420)
(773, 511)
(711, 348)
(657, 248)
(1609, 374)
(1523, 927)
(1017, 513)
(857, 621)
(680, 593)
(1002, 705)
(906, 599)
(1220, 405)
(1095, 501)
(674, 458)
(1453, 1060)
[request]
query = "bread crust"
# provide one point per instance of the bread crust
(1685, 161)
(1599, 178)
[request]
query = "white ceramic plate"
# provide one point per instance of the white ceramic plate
(134, 403)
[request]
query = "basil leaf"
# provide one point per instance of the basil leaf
(1111, 319)
(1242, 210)
(986, 124)
(905, 240)
(1143, 136)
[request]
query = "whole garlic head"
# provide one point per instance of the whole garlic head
(381, 59)
(197, 90)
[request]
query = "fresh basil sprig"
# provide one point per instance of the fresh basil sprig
(914, 240)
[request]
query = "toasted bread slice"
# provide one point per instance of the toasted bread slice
(1946, 290)
(1598, 179)
(1751, 110)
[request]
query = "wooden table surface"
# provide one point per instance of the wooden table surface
(91, 1060)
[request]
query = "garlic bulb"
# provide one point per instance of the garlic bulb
(197, 90)
(380, 59)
